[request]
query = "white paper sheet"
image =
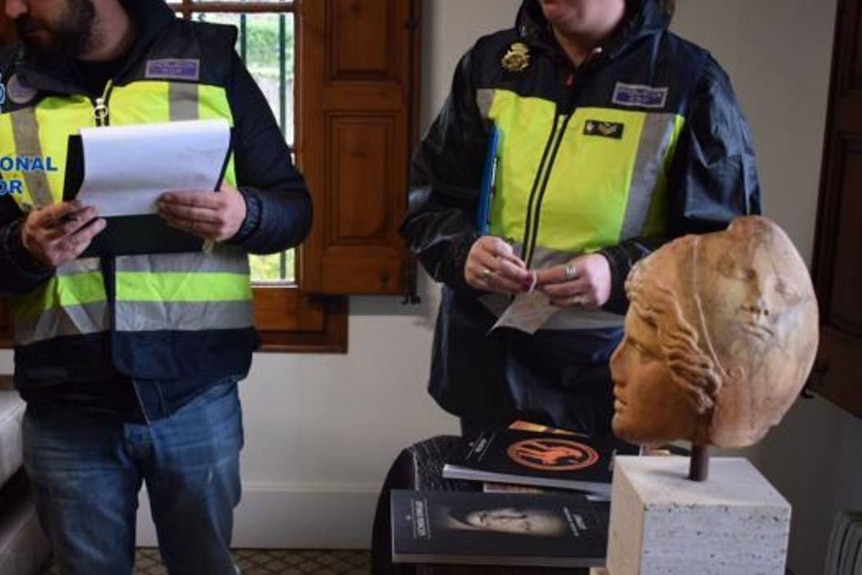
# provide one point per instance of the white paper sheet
(527, 312)
(126, 168)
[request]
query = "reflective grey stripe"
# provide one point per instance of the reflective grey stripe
(484, 100)
(566, 318)
(56, 322)
(579, 318)
(184, 101)
(79, 266)
(221, 259)
(25, 130)
(157, 316)
(656, 139)
(545, 257)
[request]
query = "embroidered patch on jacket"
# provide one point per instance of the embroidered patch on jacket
(604, 129)
(18, 93)
(639, 96)
(517, 58)
(173, 69)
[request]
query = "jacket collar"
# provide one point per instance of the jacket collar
(149, 16)
(643, 18)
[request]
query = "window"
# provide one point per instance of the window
(342, 77)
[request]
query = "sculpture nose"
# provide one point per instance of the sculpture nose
(616, 364)
(758, 307)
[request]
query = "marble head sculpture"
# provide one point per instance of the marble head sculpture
(721, 334)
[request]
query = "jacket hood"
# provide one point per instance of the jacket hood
(150, 16)
(643, 18)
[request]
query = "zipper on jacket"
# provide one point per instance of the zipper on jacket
(100, 106)
(540, 184)
(552, 148)
(102, 113)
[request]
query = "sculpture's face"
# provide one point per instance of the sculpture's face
(761, 313)
(650, 407)
(750, 288)
(747, 333)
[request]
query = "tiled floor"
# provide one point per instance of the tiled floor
(271, 562)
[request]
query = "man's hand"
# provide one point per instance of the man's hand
(59, 233)
(584, 281)
(493, 266)
(209, 215)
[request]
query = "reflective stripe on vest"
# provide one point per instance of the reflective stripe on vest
(604, 183)
(72, 302)
(200, 291)
(220, 299)
(26, 134)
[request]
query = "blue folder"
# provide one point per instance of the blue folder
(486, 191)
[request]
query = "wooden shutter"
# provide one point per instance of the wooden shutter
(838, 236)
(358, 104)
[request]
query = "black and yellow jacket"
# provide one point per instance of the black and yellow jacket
(178, 322)
(641, 143)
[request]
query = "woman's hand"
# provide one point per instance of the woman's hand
(584, 281)
(493, 266)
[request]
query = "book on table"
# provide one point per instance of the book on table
(475, 528)
(540, 459)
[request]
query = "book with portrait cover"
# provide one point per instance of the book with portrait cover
(540, 459)
(475, 528)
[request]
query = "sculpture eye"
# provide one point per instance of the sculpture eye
(786, 290)
(643, 350)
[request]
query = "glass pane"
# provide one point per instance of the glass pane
(275, 268)
(265, 44)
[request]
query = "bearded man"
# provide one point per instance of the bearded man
(129, 363)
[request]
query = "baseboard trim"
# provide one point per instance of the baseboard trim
(293, 517)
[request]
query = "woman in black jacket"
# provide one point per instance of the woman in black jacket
(607, 135)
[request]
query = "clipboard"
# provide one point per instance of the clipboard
(130, 235)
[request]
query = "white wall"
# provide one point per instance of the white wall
(321, 430)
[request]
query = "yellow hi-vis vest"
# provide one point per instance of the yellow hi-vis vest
(583, 190)
(207, 290)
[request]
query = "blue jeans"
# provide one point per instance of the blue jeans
(87, 469)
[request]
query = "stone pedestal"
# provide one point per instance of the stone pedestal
(664, 524)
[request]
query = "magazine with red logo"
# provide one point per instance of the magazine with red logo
(540, 459)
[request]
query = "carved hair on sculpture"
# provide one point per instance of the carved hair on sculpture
(721, 334)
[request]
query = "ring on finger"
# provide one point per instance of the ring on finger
(579, 299)
(486, 274)
(571, 272)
